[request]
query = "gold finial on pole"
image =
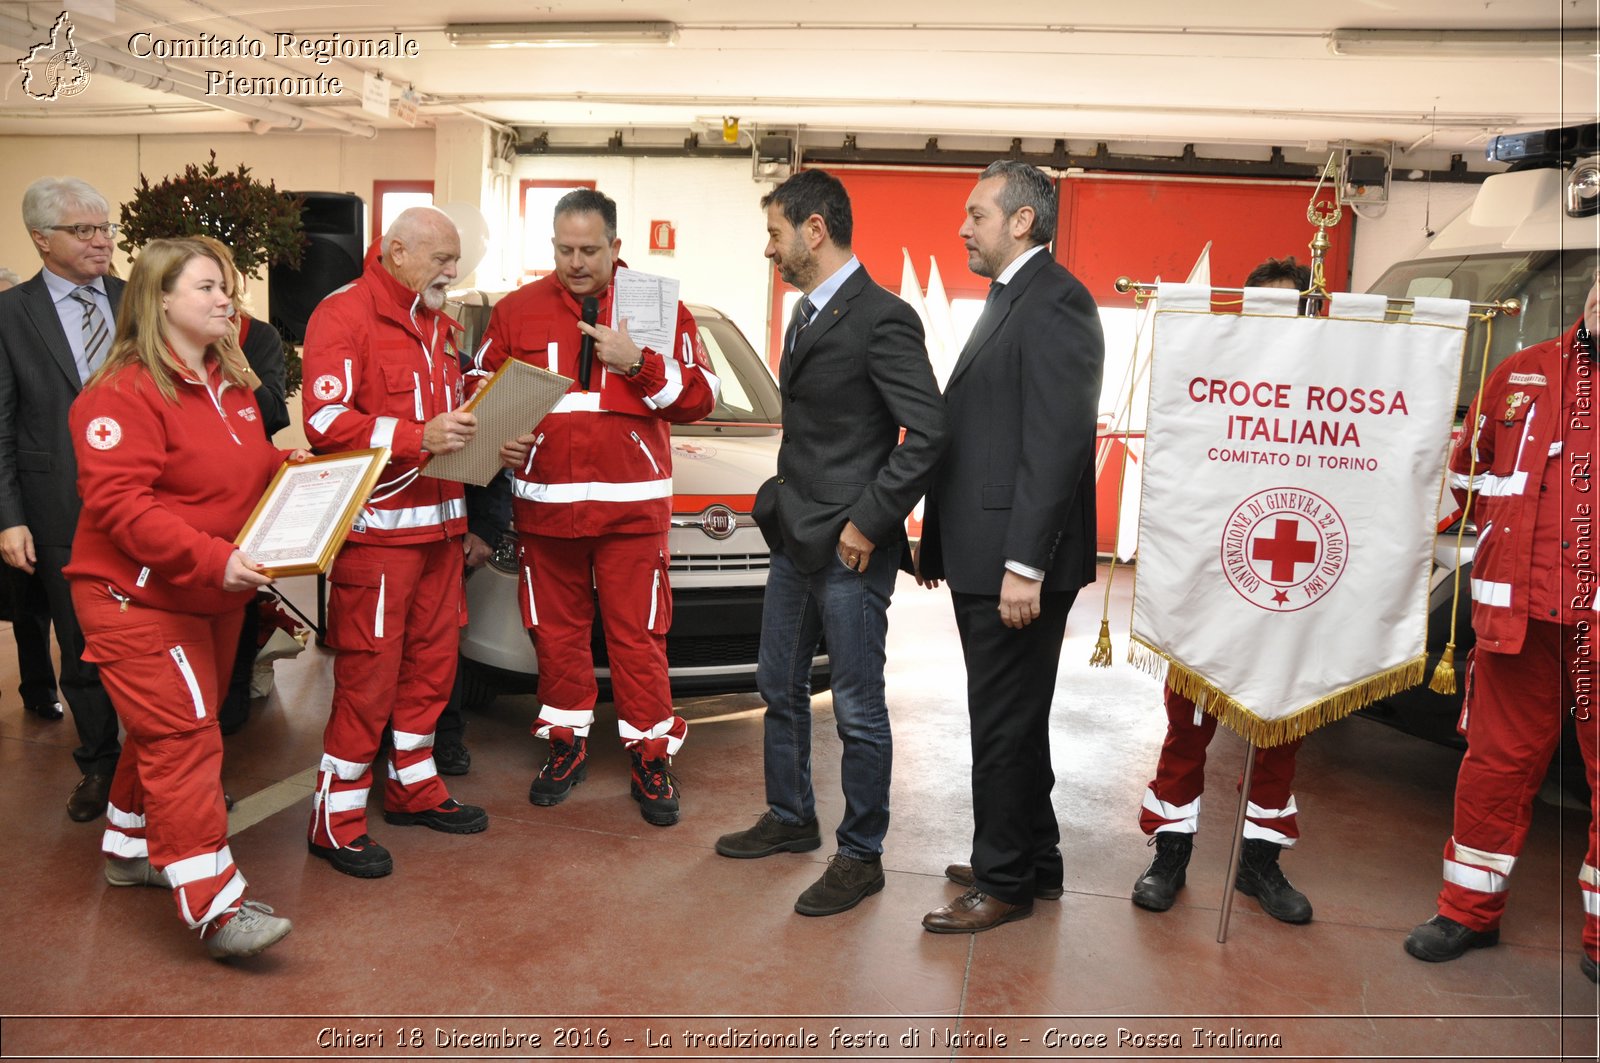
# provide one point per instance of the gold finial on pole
(1324, 215)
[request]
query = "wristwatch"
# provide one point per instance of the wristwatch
(633, 370)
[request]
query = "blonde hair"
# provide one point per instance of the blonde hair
(142, 336)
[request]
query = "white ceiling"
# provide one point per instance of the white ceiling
(1157, 71)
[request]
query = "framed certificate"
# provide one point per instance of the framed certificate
(307, 510)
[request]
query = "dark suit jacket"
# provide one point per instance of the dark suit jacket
(856, 376)
(1018, 480)
(38, 381)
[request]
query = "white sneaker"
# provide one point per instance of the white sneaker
(135, 872)
(252, 929)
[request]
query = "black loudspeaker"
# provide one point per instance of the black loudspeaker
(334, 224)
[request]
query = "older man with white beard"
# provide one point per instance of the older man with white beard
(381, 370)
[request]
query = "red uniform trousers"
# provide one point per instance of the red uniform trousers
(1512, 716)
(1172, 801)
(394, 618)
(560, 579)
(166, 674)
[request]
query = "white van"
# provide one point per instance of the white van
(1532, 234)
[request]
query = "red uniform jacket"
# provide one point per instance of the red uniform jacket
(601, 463)
(166, 487)
(1512, 432)
(378, 365)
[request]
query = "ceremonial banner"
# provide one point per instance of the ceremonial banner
(1293, 473)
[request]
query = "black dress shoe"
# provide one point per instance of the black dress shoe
(451, 758)
(973, 911)
(1442, 938)
(46, 710)
(961, 875)
(89, 797)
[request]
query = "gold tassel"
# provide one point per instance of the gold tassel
(1101, 657)
(1444, 673)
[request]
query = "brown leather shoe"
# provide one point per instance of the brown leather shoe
(89, 797)
(961, 875)
(973, 911)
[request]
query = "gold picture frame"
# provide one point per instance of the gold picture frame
(307, 511)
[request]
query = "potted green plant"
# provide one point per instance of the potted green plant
(260, 224)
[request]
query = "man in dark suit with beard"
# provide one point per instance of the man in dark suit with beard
(1010, 524)
(854, 372)
(55, 330)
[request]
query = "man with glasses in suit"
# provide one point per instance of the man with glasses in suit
(55, 331)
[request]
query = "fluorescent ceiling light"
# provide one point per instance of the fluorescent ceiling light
(557, 34)
(1459, 44)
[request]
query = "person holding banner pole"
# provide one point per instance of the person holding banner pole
(1010, 524)
(1170, 812)
(1526, 457)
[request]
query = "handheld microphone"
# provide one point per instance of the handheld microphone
(591, 310)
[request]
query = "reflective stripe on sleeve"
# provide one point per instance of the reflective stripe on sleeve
(1487, 593)
(671, 389)
(383, 431)
(323, 419)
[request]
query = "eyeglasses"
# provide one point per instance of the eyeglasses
(86, 232)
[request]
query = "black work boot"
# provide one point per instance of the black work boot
(1442, 939)
(566, 768)
(1261, 878)
(655, 788)
(1158, 887)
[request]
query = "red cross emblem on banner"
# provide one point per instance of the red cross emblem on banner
(1284, 548)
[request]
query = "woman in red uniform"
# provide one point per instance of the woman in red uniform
(171, 461)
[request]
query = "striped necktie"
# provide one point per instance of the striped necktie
(804, 311)
(96, 333)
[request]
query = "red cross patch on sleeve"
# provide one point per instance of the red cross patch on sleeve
(103, 433)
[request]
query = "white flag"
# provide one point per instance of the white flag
(1292, 479)
(911, 289)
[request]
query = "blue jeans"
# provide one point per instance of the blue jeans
(852, 610)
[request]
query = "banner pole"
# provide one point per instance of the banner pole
(1238, 843)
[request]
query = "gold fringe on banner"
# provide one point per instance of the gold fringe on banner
(1266, 733)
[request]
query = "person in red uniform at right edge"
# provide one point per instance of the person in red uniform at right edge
(1527, 448)
(591, 505)
(381, 371)
(1171, 807)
